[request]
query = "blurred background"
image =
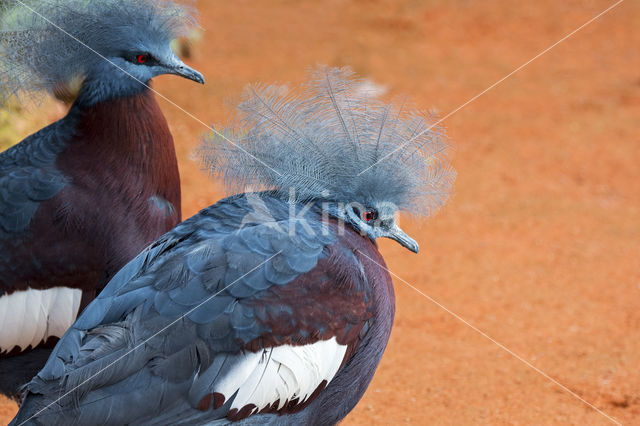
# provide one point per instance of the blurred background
(539, 246)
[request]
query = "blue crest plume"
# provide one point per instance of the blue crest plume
(331, 140)
(36, 56)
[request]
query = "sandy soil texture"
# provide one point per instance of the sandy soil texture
(538, 247)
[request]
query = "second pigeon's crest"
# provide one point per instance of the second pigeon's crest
(331, 140)
(39, 40)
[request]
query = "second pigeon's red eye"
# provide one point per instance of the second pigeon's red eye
(368, 215)
(142, 58)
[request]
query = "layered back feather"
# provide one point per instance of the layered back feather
(330, 140)
(39, 39)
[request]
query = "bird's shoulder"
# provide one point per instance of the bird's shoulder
(28, 175)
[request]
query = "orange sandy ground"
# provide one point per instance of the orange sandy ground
(539, 246)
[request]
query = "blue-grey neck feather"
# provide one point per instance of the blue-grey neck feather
(36, 56)
(330, 140)
(105, 81)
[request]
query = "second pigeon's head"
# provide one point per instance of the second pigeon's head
(334, 144)
(376, 219)
(114, 46)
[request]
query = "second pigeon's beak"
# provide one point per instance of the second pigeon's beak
(397, 234)
(178, 67)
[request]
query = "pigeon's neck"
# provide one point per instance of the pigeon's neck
(101, 87)
(358, 372)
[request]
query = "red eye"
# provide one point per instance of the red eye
(368, 215)
(142, 58)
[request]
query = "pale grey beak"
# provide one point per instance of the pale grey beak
(180, 68)
(397, 234)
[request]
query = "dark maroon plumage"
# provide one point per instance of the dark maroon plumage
(316, 308)
(119, 156)
(133, 197)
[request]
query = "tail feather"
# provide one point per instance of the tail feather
(28, 415)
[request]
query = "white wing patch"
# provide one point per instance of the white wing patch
(282, 374)
(31, 316)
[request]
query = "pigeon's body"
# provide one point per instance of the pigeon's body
(268, 307)
(70, 222)
(308, 291)
(78, 200)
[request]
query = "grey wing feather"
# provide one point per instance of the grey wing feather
(28, 176)
(21, 192)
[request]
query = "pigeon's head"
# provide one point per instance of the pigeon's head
(376, 220)
(142, 57)
(334, 144)
(114, 46)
